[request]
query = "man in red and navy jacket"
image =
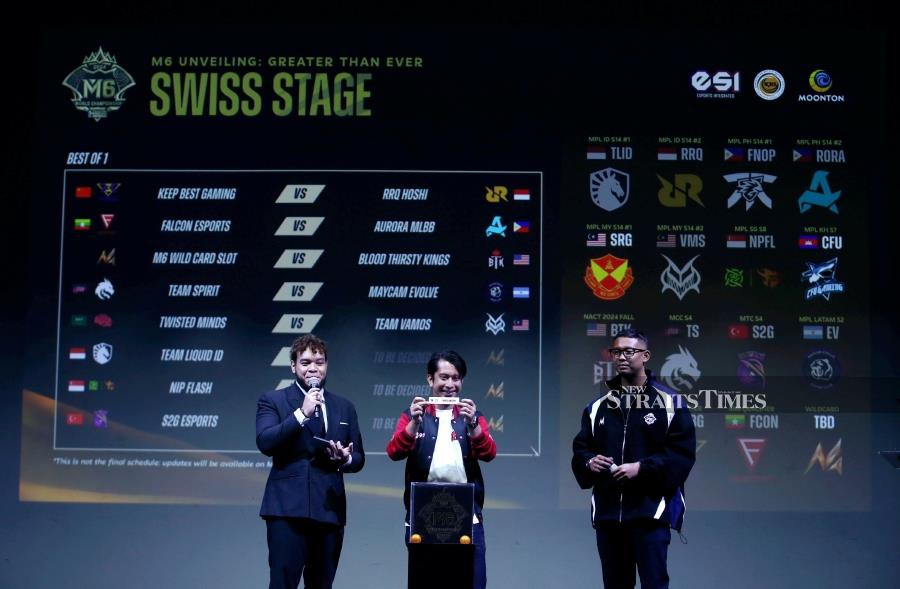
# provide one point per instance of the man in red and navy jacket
(443, 443)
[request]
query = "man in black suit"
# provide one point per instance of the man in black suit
(313, 438)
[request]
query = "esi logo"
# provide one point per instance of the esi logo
(716, 85)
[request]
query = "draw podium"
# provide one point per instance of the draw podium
(439, 539)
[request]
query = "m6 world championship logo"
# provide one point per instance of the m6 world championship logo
(98, 85)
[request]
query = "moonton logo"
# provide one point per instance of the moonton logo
(820, 82)
(98, 85)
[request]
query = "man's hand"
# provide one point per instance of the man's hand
(599, 463)
(416, 410)
(467, 409)
(312, 399)
(629, 470)
(338, 453)
(467, 412)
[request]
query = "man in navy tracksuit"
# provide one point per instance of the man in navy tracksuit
(636, 448)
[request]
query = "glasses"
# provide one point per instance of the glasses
(627, 352)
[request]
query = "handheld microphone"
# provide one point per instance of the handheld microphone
(314, 382)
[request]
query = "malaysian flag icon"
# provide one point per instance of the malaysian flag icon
(520, 325)
(596, 240)
(665, 240)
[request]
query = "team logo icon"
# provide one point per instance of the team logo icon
(819, 194)
(821, 280)
(496, 228)
(610, 188)
(104, 290)
(495, 292)
(751, 370)
(103, 353)
(608, 277)
(680, 280)
(750, 188)
(822, 369)
(495, 325)
(680, 371)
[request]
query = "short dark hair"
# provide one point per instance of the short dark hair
(308, 342)
(634, 334)
(448, 356)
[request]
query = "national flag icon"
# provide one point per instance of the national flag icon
(76, 386)
(802, 154)
(82, 224)
(736, 241)
(667, 154)
(83, 192)
(672, 331)
(521, 194)
(521, 227)
(595, 329)
(665, 240)
(813, 332)
(79, 288)
(521, 259)
(808, 242)
(596, 152)
(520, 325)
(74, 419)
(77, 354)
(521, 292)
(596, 240)
(78, 321)
(735, 154)
(107, 219)
(735, 421)
(738, 331)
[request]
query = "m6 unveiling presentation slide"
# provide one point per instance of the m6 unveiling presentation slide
(203, 197)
